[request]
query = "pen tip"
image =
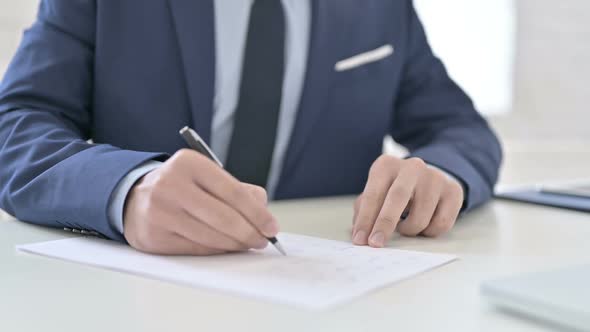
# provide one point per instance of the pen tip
(280, 248)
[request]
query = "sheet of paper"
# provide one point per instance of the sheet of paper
(316, 274)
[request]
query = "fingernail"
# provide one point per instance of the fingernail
(377, 239)
(359, 237)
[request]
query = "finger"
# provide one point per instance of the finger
(221, 217)
(446, 212)
(398, 197)
(357, 204)
(169, 243)
(199, 232)
(380, 179)
(355, 211)
(426, 197)
(226, 188)
(258, 192)
(179, 245)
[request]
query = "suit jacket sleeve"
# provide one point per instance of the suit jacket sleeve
(437, 121)
(50, 175)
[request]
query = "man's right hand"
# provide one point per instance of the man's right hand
(191, 206)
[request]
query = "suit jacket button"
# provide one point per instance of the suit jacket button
(77, 231)
(67, 229)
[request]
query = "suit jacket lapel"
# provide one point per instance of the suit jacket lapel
(330, 20)
(194, 24)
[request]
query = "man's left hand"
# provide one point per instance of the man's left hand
(431, 199)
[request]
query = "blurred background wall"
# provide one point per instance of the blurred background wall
(476, 40)
(526, 62)
(547, 117)
(552, 72)
(15, 15)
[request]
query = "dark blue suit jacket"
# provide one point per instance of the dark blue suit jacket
(128, 74)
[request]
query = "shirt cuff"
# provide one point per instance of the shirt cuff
(117, 204)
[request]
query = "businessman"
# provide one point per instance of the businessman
(294, 96)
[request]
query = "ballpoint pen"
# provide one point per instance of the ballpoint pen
(195, 142)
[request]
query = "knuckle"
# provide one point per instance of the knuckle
(386, 221)
(383, 162)
(179, 158)
(186, 159)
(401, 192)
(260, 193)
(416, 163)
(385, 159)
(183, 154)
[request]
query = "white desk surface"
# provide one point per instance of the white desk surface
(500, 239)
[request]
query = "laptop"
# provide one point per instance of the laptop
(579, 190)
(574, 195)
(561, 297)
